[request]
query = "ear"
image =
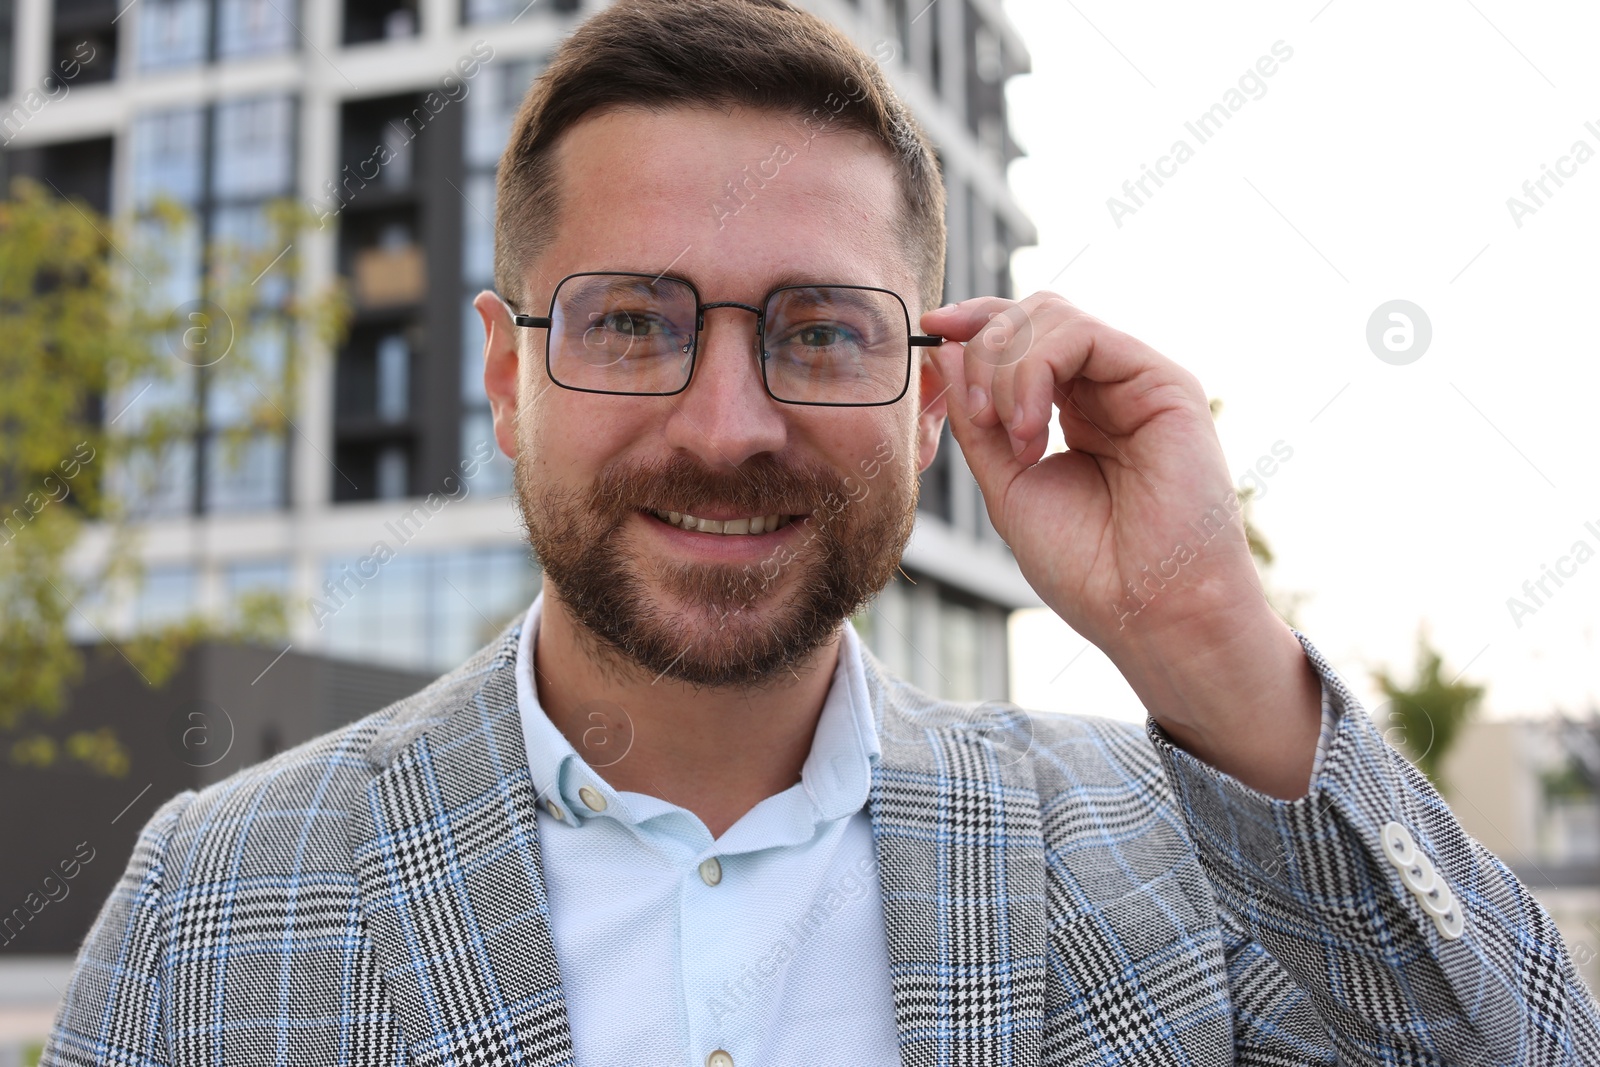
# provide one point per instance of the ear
(501, 366)
(931, 410)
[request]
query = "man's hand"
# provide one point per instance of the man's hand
(1133, 536)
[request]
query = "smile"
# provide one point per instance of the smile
(753, 525)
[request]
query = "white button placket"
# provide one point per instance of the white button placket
(705, 902)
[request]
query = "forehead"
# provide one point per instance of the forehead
(736, 200)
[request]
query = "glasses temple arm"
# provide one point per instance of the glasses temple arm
(536, 322)
(919, 341)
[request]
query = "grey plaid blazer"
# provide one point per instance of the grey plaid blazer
(1056, 890)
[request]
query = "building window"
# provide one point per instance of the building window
(378, 20)
(173, 33)
(488, 126)
(400, 207)
(7, 30)
(249, 144)
(252, 578)
(421, 610)
(166, 596)
(83, 34)
(254, 27)
(180, 33)
(511, 10)
(960, 650)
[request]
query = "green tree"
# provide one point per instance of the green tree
(94, 326)
(1427, 714)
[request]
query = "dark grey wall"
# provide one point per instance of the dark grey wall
(66, 833)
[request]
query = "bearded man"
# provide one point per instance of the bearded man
(677, 814)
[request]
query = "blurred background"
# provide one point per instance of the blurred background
(249, 491)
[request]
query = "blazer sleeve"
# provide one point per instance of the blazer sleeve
(112, 1009)
(1414, 943)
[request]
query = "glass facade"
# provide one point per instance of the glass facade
(223, 164)
(254, 27)
(182, 33)
(490, 110)
(167, 596)
(421, 610)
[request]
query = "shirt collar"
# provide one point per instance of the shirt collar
(836, 776)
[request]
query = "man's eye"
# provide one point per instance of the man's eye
(629, 324)
(822, 335)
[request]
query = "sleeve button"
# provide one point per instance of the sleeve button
(1398, 845)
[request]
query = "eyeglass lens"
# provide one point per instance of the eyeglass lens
(636, 334)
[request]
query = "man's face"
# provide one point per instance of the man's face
(651, 192)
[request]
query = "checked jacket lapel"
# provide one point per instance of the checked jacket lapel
(447, 855)
(955, 816)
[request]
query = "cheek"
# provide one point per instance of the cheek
(573, 436)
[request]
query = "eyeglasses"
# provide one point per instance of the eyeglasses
(637, 334)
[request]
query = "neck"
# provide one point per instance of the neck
(715, 752)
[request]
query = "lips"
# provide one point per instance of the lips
(746, 526)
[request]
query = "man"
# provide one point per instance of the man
(677, 815)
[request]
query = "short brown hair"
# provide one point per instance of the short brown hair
(657, 54)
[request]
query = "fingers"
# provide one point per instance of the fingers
(1020, 359)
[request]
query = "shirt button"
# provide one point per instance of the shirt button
(554, 809)
(711, 874)
(719, 1058)
(592, 799)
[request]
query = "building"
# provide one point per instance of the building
(225, 104)
(1528, 789)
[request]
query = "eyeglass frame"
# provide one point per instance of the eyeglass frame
(545, 322)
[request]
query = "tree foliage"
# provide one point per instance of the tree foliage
(1426, 715)
(101, 374)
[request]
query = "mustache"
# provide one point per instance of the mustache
(762, 485)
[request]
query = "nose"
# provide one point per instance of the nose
(726, 416)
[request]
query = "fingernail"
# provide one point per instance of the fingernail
(1017, 415)
(977, 399)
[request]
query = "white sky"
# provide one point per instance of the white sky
(1390, 141)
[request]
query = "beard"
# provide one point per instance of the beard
(736, 625)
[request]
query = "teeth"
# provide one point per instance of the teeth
(754, 525)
